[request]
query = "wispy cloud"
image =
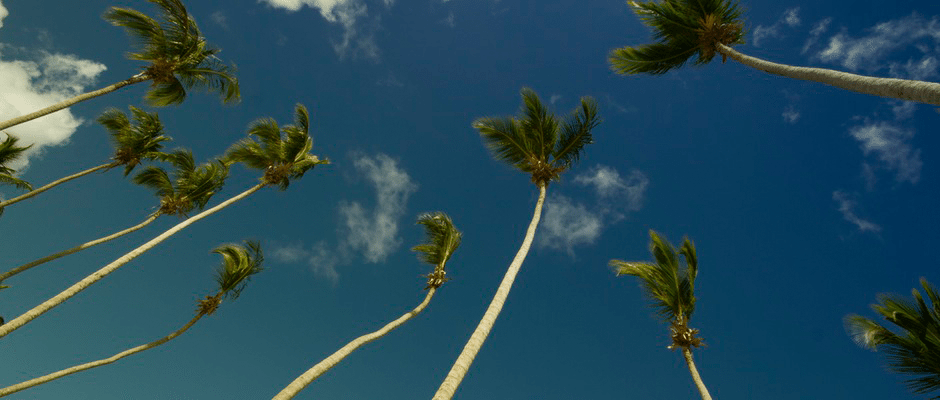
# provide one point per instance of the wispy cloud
(790, 115)
(566, 225)
(868, 52)
(554, 99)
(375, 232)
(847, 207)
(220, 19)
(617, 106)
(820, 28)
(321, 259)
(3, 14)
(449, 20)
(358, 40)
(40, 80)
(790, 18)
(611, 187)
(891, 145)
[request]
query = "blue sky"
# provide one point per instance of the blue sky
(804, 202)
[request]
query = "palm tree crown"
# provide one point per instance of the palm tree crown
(178, 54)
(683, 29)
(535, 142)
(670, 287)
(441, 240)
(282, 153)
(915, 350)
(10, 152)
(134, 142)
(239, 264)
(190, 187)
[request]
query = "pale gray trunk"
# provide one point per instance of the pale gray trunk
(470, 350)
(687, 353)
(313, 373)
(78, 248)
(21, 320)
(904, 89)
(89, 365)
(70, 102)
(55, 183)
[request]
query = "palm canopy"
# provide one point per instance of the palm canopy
(10, 152)
(283, 153)
(134, 141)
(683, 29)
(189, 188)
(441, 240)
(179, 56)
(915, 350)
(239, 264)
(535, 141)
(670, 287)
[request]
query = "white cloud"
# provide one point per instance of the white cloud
(890, 144)
(554, 99)
(921, 70)
(867, 52)
(357, 41)
(220, 19)
(611, 187)
(449, 21)
(820, 28)
(566, 225)
(790, 115)
(290, 253)
(903, 110)
(29, 85)
(322, 259)
(376, 232)
(790, 18)
(3, 14)
(847, 208)
(868, 174)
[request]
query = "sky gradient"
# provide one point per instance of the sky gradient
(804, 202)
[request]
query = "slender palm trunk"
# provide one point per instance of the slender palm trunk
(904, 89)
(695, 376)
(78, 248)
(55, 183)
(141, 77)
(105, 361)
(21, 320)
(470, 350)
(313, 373)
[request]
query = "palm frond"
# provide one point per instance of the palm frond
(239, 264)
(507, 141)
(542, 124)
(134, 142)
(668, 286)
(155, 178)
(10, 152)
(576, 133)
(441, 238)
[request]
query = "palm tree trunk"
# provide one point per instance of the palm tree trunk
(313, 373)
(21, 320)
(55, 183)
(141, 77)
(78, 248)
(470, 350)
(695, 376)
(904, 89)
(105, 361)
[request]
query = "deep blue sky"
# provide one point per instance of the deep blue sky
(804, 202)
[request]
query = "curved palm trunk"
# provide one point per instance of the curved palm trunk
(470, 350)
(105, 361)
(904, 89)
(21, 320)
(70, 102)
(695, 376)
(313, 373)
(78, 248)
(54, 184)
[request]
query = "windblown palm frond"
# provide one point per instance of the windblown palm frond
(179, 56)
(282, 153)
(190, 188)
(683, 29)
(441, 240)
(239, 264)
(10, 152)
(134, 142)
(535, 141)
(915, 349)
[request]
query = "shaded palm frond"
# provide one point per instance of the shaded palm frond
(576, 133)
(441, 238)
(10, 152)
(507, 141)
(541, 123)
(668, 286)
(239, 264)
(134, 141)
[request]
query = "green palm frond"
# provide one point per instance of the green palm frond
(283, 153)
(179, 57)
(534, 142)
(239, 264)
(441, 241)
(134, 142)
(669, 287)
(191, 186)
(10, 152)
(683, 29)
(914, 349)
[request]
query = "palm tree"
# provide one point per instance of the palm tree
(239, 264)
(178, 57)
(915, 351)
(703, 28)
(283, 154)
(190, 188)
(673, 293)
(442, 239)
(133, 143)
(10, 152)
(540, 145)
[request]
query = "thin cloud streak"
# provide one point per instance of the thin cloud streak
(847, 207)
